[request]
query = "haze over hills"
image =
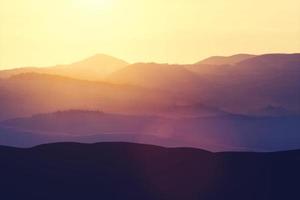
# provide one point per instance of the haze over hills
(134, 171)
(250, 87)
(31, 93)
(255, 84)
(268, 80)
(207, 113)
(216, 133)
(252, 104)
(258, 83)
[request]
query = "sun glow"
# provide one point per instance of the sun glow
(45, 33)
(94, 4)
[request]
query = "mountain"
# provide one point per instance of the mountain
(252, 85)
(32, 93)
(226, 60)
(136, 171)
(246, 87)
(96, 67)
(225, 132)
(249, 87)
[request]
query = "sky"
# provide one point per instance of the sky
(49, 32)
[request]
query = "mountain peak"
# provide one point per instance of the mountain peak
(93, 68)
(101, 59)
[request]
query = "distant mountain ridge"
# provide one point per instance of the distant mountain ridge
(257, 83)
(226, 60)
(253, 84)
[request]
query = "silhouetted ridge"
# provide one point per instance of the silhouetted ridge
(134, 171)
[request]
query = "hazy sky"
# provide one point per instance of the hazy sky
(47, 32)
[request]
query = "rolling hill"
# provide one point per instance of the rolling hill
(135, 171)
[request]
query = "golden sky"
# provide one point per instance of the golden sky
(48, 32)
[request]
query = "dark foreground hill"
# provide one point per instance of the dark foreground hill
(134, 171)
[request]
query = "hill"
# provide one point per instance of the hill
(135, 171)
(251, 86)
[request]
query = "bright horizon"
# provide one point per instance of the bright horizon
(46, 33)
